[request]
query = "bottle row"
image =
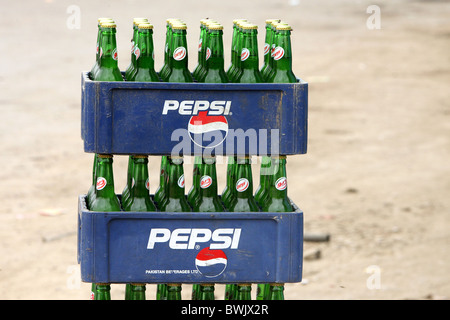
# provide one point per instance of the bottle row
(172, 291)
(170, 196)
(243, 67)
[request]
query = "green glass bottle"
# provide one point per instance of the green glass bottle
(108, 69)
(175, 200)
(194, 192)
(261, 193)
(244, 291)
(137, 291)
(243, 200)
(265, 69)
(278, 200)
(229, 191)
(249, 62)
(94, 68)
(102, 291)
(105, 197)
(132, 66)
(178, 59)
(174, 291)
(139, 199)
(160, 192)
(208, 200)
(276, 291)
(144, 53)
(207, 291)
(282, 57)
(214, 57)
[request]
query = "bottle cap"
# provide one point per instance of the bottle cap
(108, 25)
(283, 27)
(215, 26)
(269, 21)
(179, 26)
(145, 25)
(249, 26)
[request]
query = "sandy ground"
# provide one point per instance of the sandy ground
(376, 177)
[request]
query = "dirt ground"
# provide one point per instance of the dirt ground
(376, 177)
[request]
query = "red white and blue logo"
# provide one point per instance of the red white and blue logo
(211, 263)
(207, 131)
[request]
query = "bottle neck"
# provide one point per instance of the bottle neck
(282, 54)
(175, 188)
(108, 49)
(278, 189)
(105, 178)
(244, 181)
(144, 50)
(249, 53)
(178, 52)
(214, 52)
(140, 177)
(208, 179)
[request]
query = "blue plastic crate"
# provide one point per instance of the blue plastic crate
(161, 247)
(158, 118)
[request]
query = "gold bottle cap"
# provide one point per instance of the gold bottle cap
(249, 26)
(108, 25)
(215, 26)
(269, 21)
(179, 26)
(145, 25)
(283, 27)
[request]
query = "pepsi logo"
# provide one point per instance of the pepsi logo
(211, 263)
(115, 55)
(101, 183)
(205, 182)
(181, 181)
(242, 184)
(200, 44)
(281, 183)
(266, 48)
(203, 128)
(179, 53)
(245, 53)
(208, 53)
(278, 53)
